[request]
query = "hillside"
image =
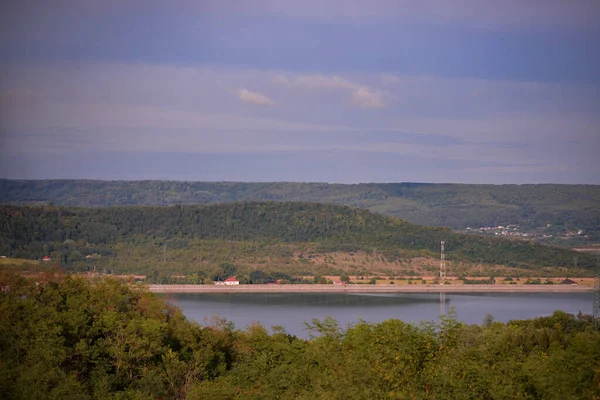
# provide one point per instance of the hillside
(565, 208)
(238, 237)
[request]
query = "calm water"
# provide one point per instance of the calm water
(292, 309)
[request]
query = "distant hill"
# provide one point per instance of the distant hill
(564, 207)
(135, 236)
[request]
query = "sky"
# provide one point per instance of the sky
(467, 91)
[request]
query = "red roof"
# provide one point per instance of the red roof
(46, 258)
(231, 279)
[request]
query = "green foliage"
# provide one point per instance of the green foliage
(489, 281)
(536, 281)
(67, 338)
(454, 205)
(154, 240)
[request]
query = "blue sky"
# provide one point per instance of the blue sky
(336, 91)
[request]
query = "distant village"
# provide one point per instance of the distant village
(515, 230)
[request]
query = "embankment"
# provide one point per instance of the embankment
(369, 288)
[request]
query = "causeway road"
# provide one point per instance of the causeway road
(369, 288)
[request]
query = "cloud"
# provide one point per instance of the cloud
(323, 82)
(507, 12)
(367, 98)
(389, 80)
(516, 13)
(16, 93)
(280, 79)
(145, 108)
(254, 98)
(360, 95)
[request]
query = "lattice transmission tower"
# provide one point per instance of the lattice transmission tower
(442, 276)
(597, 295)
(442, 260)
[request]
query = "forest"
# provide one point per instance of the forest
(190, 239)
(458, 206)
(64, 337)
(34, 231)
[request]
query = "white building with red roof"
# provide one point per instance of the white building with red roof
(229, 281)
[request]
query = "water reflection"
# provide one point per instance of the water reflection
(291, 310)
(442, 303)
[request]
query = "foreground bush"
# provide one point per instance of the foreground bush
(67, 338)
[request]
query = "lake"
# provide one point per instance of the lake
(291, 310)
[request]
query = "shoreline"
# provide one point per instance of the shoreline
(370, 288)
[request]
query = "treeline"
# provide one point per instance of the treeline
(74, 233)
(565, 207)
(67, 338)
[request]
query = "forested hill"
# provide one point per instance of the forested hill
(33, 231)
(565, 207)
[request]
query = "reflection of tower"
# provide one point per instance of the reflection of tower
(597, 295)
(443, 261)
(442, 303)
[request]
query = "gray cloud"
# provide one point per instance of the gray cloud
(16, 93)
(502, 14)
(323, 82)
(150, 109)
(505, 12)
(280, 79)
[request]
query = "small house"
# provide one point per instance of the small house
(46, 258)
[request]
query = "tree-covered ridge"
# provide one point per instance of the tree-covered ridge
(68, 338)
(565, 207)
(74, 232)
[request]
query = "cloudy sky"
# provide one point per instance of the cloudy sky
(495, 91)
